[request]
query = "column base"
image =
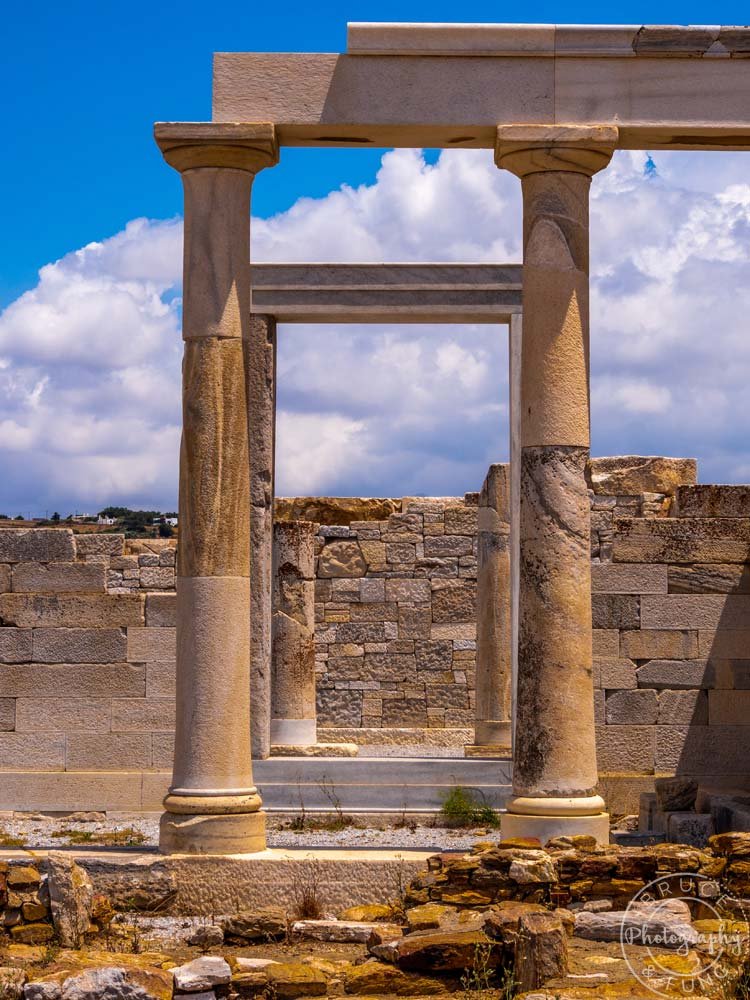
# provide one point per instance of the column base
(544, 828)
(227, 833)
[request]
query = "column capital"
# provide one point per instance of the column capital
(531, 149)
(236, 145)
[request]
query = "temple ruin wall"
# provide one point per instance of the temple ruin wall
(87, 636)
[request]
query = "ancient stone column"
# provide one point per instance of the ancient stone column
(293, 721)
(492, 728)
(212, 806)
(260, 369)
(554, 765)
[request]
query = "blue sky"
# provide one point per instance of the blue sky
(89, 355)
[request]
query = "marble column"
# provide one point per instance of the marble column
(260, 374)
(554, 759)
(293, 715)
(492, 728)
(212, 806)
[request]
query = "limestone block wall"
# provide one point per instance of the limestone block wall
(395, 611)
(87, 637)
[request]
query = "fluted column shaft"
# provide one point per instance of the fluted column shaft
(212, 805)
(554, 766)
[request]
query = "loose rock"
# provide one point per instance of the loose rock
(201, 974)
(71, 898)
(267, 924)
(343, 930)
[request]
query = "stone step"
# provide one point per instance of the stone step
(377, 784)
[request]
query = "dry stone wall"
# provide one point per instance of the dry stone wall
(87, 636)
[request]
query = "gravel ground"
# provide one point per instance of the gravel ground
(141, 830)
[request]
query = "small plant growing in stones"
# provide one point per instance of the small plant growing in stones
(481, 973)
(462, 808)
(49, 954)
(306, 881)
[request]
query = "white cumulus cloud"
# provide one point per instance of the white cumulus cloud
(90, 357)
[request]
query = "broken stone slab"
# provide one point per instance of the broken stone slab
(343, 930)
(532, 866)
(652, 925)
(373, 978)
(268, 923)
(445, 951)
(245, 964)
(371, 912)
(71, 898)
(208, 936)
(118, 984)
(201, 974)
(541, 951)
(289, 980)
(428, 916)
(631, 475)
(675, 794)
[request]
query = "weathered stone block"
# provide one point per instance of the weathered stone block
(614, 673)
(614, 611)
(341, 558)
(713, 501)
(36, 545)
(667, 644)
(454, 601)
(605, 642)
(148, 644)
(157, 578)
(7, 714)
(160, 679)
(42, 715)
(448, 545)
(629, 475)
(446, 696)
(71, 610)
(107, 752)
(628, 578)
(377, 612)
(682, 540)
(625, 748)
(414, 591)
(372, 591)
(373, 552)
(4, 577)
(401, 552)
(414, 623)
(24, 752)
(100, 544)
(405, 712)
(702, 750)
(79, 645)
(339, 708)
(729, 708)
(459, 632)
(58, 578)
(731, 674)
(142, 715)
(708, 578)
(397, 667)
(460, 520)
(676, 674)
(683, 708)
(701, 611)
(599, 714)
(630, 708)
(690, 828)
(15, 645)
(724, 644)
(433, 655)
(86, 679)
(161, 610)
(162, 750)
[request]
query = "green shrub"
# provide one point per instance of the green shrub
(462, 807)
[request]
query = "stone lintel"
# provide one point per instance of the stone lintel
(379, 293)
(237, 145)
(548, 40)
(332, 99)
